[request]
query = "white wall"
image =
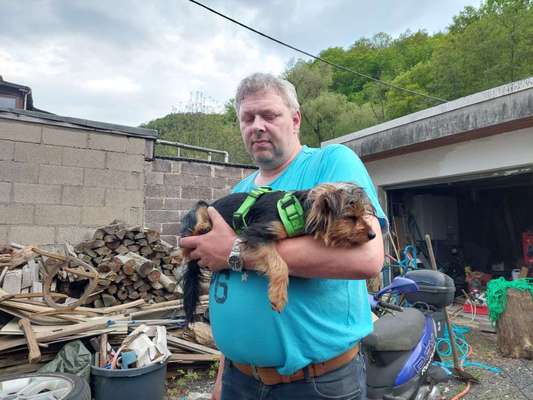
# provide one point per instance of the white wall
(503, 151)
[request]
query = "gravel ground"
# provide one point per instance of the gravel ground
(514, 382)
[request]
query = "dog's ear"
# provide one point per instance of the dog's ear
(325, 205)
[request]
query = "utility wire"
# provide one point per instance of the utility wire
(341, 67)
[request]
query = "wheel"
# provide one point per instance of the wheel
(45, 386)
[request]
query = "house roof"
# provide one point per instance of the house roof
(493, 111)
(25, 90)
(75, 123)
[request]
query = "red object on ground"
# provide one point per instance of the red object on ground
(480, 310)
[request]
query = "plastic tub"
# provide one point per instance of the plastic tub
(147, 383)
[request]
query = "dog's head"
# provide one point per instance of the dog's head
(339, 215)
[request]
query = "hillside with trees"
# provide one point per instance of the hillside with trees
(482, 48)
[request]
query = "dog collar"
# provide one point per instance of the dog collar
(292, 214)
(239, 216)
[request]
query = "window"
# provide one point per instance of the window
(8, 102)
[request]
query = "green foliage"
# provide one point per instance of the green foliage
(483, 47)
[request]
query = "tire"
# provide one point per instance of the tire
(68, 386)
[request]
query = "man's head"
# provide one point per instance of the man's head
(269, 117)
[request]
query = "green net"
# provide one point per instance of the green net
(497, 294)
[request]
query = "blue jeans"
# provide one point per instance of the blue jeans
(345, 383)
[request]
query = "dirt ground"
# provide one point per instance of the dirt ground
(514, 382)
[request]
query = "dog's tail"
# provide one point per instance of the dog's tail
(191, 289)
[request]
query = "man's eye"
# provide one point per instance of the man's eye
(270, 116)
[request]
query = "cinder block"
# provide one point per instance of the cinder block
(125, 162)
(179, 204)
(105, 178)
(170, 239)
(58, 175)
(160, 216)
(135, 180)
(16, 214)
(197, 193)
(3, 233)
(38, 153)
(108, 142)
(134, 216)
(11, 171)
(83, 196)
(96, 216)
(84, 158)
(135, 146)
(73, 234)
(27, 235)
(153, 204)
(154, 178)
(65, 137)
(159, 165)
(170, 229)
(155, 191)
(228, 172)
(5, 192)
(36, 193)
(57, 215)
(124, 198)
(7, 150)
(20, 131)
(189, 168)
(218, 193)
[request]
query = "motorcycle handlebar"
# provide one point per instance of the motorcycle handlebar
(389, 306)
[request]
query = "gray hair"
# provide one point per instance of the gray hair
(260, 82)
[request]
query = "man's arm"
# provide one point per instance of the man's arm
(305, 256)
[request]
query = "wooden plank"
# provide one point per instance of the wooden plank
(192, 358)
(13, 282)
(188, 345)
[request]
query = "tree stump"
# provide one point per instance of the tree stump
(515, 326)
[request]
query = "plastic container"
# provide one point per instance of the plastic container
(147, 383)
(435, 288)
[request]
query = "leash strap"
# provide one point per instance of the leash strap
(239, 216)
(292, 214)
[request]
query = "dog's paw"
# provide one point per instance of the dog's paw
(278, 298)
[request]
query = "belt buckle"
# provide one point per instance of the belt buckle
(255, 374)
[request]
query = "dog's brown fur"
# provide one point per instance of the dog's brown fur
(336, 215)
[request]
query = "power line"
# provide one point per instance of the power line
(341, 67)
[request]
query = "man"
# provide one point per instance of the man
(311, 349)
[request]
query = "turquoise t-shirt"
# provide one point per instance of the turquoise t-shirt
(323, 317)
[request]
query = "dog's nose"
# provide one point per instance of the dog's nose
(371, 235)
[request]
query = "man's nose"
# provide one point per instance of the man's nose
(258, 124)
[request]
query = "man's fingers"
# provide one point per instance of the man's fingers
(187, 242)
(214, 215)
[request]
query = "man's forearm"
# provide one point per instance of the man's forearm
(308, 258)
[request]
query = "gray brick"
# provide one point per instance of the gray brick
(73, 234)
(179, 204)
(135, 146)
(27, 235)
(218, 193)
(5, 192)
(133, 216)
(16, 214)
(7, 150)
(124, 198)
(153, 204)
(125, 162)
(20, 132)
(83, 196)
(228, 172)
(189, 168)
(192, 180)
(170, 239)
(96, 216)
(155, 191)
(38, 153)
(57, 175)
(170, 229)
(3, 233)
(161, 216)
(162, 165)
(84, 158)
(11, 171)
(36, 193)
(65, 137)
(101, 141)
(197, 193)
(154, 178)
(57, 215)
(155, 227)
(113, 179)
(135, 180)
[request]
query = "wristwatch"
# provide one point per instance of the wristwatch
(235, 261)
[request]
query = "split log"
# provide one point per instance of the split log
(168, 283)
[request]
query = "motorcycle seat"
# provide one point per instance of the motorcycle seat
(397, 331)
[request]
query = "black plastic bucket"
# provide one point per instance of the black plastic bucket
(147, 383)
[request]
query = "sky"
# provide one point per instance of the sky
(131, 61)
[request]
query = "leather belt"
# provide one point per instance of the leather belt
(270, 376)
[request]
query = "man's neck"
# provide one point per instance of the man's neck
(265, 176)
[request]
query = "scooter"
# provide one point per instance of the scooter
(401, 349)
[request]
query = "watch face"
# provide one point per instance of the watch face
(235, 263)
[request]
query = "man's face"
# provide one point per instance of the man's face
(269, 128)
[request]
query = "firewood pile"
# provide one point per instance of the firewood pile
(122, 277)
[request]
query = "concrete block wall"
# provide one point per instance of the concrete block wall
(172, 187)
(58, 184)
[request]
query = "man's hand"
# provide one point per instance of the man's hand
(212, 249)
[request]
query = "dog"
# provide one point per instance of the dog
(335, 214)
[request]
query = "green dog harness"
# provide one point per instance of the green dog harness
(289, 208)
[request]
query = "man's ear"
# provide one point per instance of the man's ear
(296, 121)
